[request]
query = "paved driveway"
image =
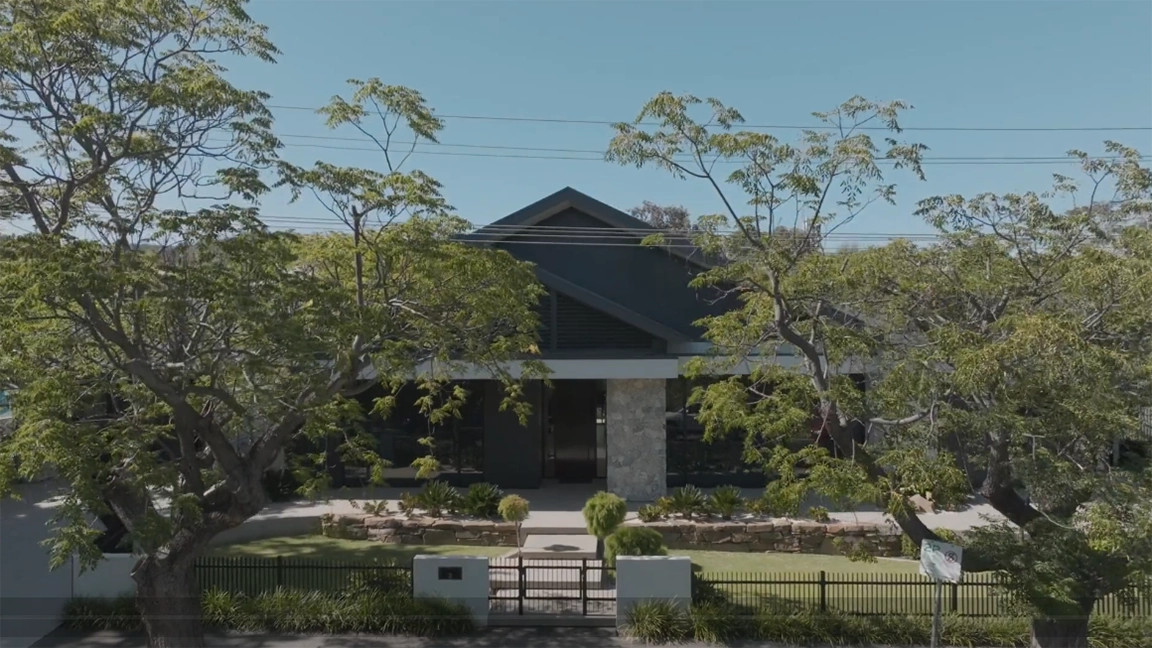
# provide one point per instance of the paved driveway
(31, 595)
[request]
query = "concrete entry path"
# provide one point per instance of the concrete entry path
(558, 547)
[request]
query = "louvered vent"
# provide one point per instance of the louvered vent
(581, 327)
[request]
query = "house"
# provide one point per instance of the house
(617, 328)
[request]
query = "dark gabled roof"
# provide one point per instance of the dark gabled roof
(569, 198)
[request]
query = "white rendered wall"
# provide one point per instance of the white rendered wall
(471, 590)
(651, 578)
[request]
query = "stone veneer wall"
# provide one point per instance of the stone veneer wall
(637, 443)
(418, 530)
(788, 536)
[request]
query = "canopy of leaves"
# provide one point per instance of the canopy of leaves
(1021, 324)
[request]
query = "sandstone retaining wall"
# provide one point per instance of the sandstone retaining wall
(788, 536)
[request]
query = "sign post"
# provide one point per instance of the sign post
(941, 562)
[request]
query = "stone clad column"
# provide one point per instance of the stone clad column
(637, 443)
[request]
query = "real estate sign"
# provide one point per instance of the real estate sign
(941, 561)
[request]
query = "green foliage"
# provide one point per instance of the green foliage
(633, 541)
(362, 610)
(408, 503)
(604, 512)
(1019, 337)
(655, 622)
(379, 508)
(482, 500)
(910, 549)
(513, 508)
(716, 622)
(438, 498)
(687, 501)
(649, 513)
(726, 501)
(819, 514)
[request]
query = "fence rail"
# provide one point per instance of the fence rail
(252, 576)
(979, 595)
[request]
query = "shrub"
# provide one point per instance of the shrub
(604, 512)
(438, 498)
(719, 623)
(633, 541)
(726, 501)
(649, 513)
(819, 514)
(782, 500)
(294, 612)
(482, 500)
(687, 501)
(375, 508)
(513, 508)
(656, 622)
(408, 503)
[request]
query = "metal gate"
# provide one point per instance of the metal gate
(550, 591)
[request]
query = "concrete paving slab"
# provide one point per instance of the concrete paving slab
(559, 546)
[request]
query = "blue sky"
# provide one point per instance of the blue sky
(1004, 64)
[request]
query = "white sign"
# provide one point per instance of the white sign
(941, 561)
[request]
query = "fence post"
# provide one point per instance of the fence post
(955, 597)
(279, 572)
(823, 591)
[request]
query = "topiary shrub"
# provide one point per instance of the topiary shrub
(633, 541)
(514, 508)
(604, 512)
(726, 501)
(482, 500)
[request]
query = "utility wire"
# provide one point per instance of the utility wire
(602, 122)
(929, 161)
(601, 153)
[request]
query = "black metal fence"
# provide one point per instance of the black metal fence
(524, 587)
(253, 576)
(980, 594)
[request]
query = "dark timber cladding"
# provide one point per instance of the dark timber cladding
(607, 268)
(513, 453)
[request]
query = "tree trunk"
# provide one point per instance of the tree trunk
(1063, 632)
(169, 601)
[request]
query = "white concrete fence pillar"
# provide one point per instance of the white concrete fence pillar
(641, 579)
(460, 579)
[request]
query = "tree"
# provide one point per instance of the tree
(162, 357)
(1019, 322)
(665, 217)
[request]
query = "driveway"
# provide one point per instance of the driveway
(31, 595)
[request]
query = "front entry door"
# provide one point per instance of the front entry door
(572, 410)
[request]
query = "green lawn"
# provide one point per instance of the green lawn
(320, 548)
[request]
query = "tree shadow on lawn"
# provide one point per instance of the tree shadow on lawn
(321, 549)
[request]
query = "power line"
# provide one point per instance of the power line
(601, 153)
(975, 161)
(603, 122)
